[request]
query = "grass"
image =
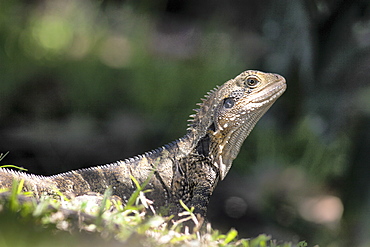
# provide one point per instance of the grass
(100, 219)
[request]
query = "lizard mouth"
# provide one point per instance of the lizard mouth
(271, 92)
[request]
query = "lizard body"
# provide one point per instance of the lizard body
(188, 168)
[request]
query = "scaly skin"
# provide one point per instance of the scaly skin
(188, 168)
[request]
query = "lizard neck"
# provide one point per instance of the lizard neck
(197, 140)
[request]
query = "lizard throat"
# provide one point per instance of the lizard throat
(224, 150)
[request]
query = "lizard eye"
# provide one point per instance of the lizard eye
(229, 102)
(252, 82)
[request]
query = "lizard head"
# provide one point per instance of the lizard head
(229, 113)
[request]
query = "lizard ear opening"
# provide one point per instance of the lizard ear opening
(228, 103)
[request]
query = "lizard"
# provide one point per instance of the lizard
(187, 169)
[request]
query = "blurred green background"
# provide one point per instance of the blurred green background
(84, 83)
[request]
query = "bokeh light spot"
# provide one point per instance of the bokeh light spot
(235, 207)
(322, 209)
(115, 52)
(52, 33)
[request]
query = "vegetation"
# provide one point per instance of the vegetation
(42, 223)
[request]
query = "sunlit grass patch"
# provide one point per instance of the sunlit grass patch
(106, 220)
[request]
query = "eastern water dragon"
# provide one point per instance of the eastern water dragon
(187, 169)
